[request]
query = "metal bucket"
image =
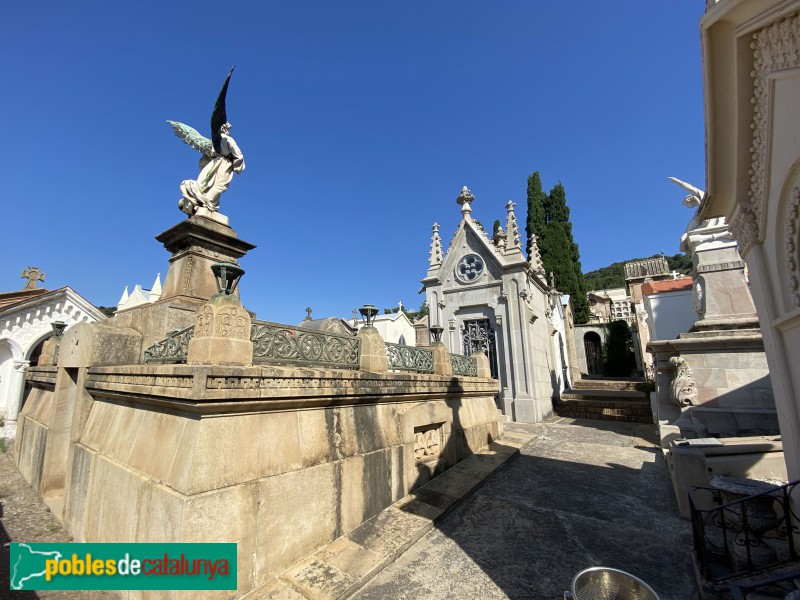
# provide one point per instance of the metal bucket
(603, 583)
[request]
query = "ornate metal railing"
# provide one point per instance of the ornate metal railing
(283, 344)
(466, 366)
(737, 534)
(172, 349)
(409, 358)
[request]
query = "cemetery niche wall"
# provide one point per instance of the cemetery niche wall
(487, 293)
(188, 420)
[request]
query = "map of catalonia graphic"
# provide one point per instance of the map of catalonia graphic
(29, 564)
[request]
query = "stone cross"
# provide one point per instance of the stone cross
(308, 314)
(400, 305)
(33, 274)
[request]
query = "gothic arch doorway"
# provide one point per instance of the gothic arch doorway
(593, 346)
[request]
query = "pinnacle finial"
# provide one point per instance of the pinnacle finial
(465, 198)
(436, 247)
(512, 228)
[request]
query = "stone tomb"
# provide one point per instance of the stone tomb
(279, 459)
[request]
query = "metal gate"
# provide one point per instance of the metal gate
(481, 328)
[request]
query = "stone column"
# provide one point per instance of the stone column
(221, 334)
(373, 351)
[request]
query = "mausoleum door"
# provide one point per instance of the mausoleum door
(481, 328)
(593, 346)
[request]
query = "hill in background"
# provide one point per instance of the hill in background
(613, 276)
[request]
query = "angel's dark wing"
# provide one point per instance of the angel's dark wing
(219, 117)
(192, 137)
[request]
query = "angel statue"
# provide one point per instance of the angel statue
(220, 159)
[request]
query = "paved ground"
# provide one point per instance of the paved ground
(581, 494)
(25, 518)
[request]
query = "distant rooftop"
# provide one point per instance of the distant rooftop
(667, 285)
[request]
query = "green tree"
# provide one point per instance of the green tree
(496, 226)
(619, 358)
(548, 217)
(537, 208)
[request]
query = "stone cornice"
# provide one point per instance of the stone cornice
(216, 390)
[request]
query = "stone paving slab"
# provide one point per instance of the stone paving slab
(344, 566)
(580, 494)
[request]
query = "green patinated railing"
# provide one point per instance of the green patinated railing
(172, 349)
(466, 366)
(409, 358)
(283, 344)
(273, 343)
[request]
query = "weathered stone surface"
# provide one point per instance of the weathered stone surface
(373, 351)
(96, 344)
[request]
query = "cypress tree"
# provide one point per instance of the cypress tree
(496, 226)
(537, 209)
(548, 218)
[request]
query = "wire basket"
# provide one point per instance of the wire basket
(603, 583)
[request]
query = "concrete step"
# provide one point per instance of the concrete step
(607, 383)
(636, 410)
(622, 395)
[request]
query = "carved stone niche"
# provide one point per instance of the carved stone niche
(428, 442)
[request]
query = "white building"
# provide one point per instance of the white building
(26, 319)
(395, 328)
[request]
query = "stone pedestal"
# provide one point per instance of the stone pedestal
(722, 297)
(195, 245)
(717, 373)
(373, 351)
(221, 334)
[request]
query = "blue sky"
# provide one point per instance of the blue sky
(359, 122)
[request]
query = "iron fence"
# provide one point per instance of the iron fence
(737, 534)
(409, 358)
(283, 344)
(172, 349)
(466, 366)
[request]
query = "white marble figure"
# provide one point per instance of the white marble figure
(215, 176)
(221, 158)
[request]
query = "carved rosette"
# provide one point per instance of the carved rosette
(683, 390)
(232, 322)
(792, 243)
(204, 321)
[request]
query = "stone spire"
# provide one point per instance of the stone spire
(535, 257)
(464, 199)
(512, 229)
(436, 247)
(499, 239)
(123, 299)
(155, 292)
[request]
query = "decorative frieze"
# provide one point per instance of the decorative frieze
(792, 243)
(775, 48)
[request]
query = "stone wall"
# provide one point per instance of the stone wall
(279, 460)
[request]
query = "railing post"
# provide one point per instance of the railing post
(483, 364)
(441, 359)
(373, 351)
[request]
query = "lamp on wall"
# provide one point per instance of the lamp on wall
(58, 328)
(436, 333)
(227, 276)
(369, 312)
(477, 343)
